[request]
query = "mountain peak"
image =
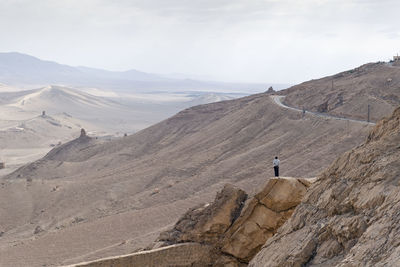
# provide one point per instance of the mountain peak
(16, 56)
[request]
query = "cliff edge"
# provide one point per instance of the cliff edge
(349, 217)
(236, 229)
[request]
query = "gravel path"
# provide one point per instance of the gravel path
(278, 100)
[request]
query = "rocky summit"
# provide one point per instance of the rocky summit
(350, 215)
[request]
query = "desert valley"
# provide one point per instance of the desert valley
(108, 193)
(36, 115)
(174, 133)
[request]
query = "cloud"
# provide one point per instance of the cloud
(252, 40)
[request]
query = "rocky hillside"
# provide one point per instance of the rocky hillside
(227, 232)
(349, 217)
(236, 229)
(143, 183)
(94, 200)
(349, 93)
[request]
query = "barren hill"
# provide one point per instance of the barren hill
(108, 199)
(88, 200)
(28, 136)
(349, 93)
(97, 113)
(349, 217)
(56, 99)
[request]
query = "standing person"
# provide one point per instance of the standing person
(276, 166)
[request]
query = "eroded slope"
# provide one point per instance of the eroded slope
(349, 93)
(99, 200)
(349, 217)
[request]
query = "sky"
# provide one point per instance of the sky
(279, 41)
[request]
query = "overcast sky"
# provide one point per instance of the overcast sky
(284, 41)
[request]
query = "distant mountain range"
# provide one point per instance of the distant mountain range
(26, 71)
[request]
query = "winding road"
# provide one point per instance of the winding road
(278, 100)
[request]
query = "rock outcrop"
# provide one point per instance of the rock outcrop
(264, 214)
(236, 239)
(208, 222)
(83, 133)
(270, 90)
(350, 216)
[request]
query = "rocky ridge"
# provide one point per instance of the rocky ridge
(349, 217)
(236, 239)
(349, 93)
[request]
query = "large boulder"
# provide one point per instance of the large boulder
(236, 239)
(208, 222)
(262, 217)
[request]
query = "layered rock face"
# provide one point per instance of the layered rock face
(236, 239)
(263, 215)
(350, 216)
(207, 223)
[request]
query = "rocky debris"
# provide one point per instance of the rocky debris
(155, 191)
(38, 229)
(236, 239)
(324, 107)
(207, 223)
(350, 216)
(77, 220)
(55, 188)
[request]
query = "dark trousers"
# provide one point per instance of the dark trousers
(276, 169)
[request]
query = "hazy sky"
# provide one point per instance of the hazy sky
(285, 41)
